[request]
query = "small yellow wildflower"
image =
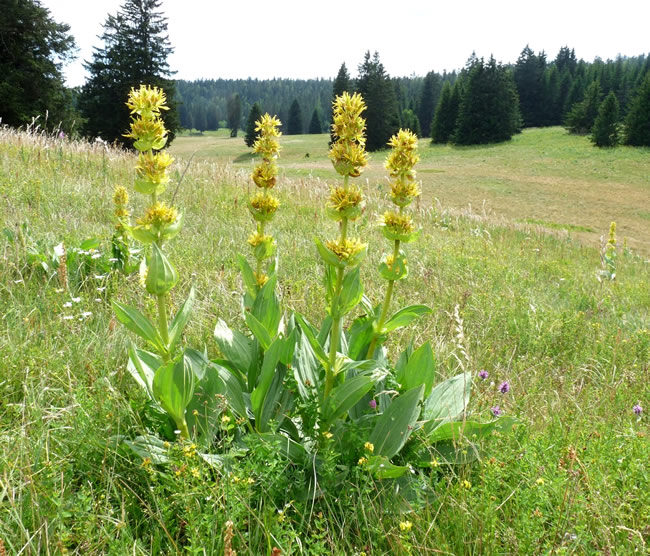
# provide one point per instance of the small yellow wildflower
(250, 481)
(195, 472)
(261, 279)
(369, 447)
(328, 435)
(405, 526)
(540, 481)
(466, 484)
(362, 461)
(435, 463)
(146, 462)
(225, 419)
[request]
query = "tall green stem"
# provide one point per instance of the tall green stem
(384, 309)
(260, 230)
(335, 336)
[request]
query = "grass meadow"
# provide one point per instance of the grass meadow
(510, 236)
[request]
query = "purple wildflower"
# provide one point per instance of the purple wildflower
(483, 374)
(61, 135)
(496, 411)
(637, 409)
(372, 404)
(504, 387)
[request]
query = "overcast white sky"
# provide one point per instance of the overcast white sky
(306, 39)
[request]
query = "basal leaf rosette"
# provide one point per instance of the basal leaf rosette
(398, 227)
(345, 203)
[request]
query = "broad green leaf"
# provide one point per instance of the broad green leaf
(351, 293)
(271, 359)
(382, 468)
(247, 275)
(345, 396)
(142, 366)
(136, 322)
(359, 336)
(197, 361)
(305, 367)
(447, 401)
(420, 369)
(141, 234)
(288, 348)
(148, 446)
(161, 274)
(284, 446)
(180, 319)
(203, 411)
(405, 316)
(258, 330)
(330, 283)
(277, 402)
(266, 307)
(234, 345)
(173, 386)
(306, 329)
(91, 243)
(394, 426)
(234, 393)
(470, 429)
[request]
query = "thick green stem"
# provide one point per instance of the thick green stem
(260, 230)
(384, 309)
(335, 336)
(162, 322)
(182, 426)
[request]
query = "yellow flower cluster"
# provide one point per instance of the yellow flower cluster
(158, 215)
(399, 163)
(147, 101)
(397, 223)
(346, 249)
(120, 200)
(345, 203)
(611, 241)
(153, 167)
(266, 144)
(256, 239)
(263, 206)
(348, 152)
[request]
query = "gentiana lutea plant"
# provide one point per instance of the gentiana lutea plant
(315, 393)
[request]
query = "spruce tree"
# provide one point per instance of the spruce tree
(315, 123)
(637, 123)
(294, 122)
(427, 104)
(200, 117)
(134, 52)
(582, 116)
(446, 114)
(489, 107)
(33, 49)
(212, 117)
(378, 92)
(605, 130)
(529, 78)
(253, 116)
(234, 114)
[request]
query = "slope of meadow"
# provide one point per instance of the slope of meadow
(572, 478)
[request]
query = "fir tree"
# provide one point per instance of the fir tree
(212, 117)
(377, 90)
(446, 114)
(200, 117)
(489, 107)
(637, 123)
(294, 122)
(315, 122)
(605, 130)
(234, 114)
(427, 104)
(253, 116)
(582, 116)
(33, 49)
(135, 52)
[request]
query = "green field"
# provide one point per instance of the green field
(520, 266)
(544, 177)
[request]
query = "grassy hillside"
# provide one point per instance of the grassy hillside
(573, 476)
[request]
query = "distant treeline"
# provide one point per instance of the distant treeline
(547, 91)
